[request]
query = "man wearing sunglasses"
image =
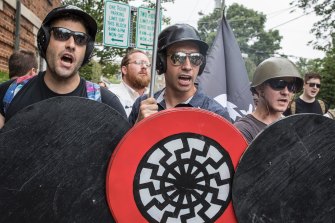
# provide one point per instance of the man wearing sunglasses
(66, 41)
(306, 102)
(135, 69)
(181, 58)
(274, 82)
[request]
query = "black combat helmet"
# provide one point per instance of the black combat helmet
(174, 34)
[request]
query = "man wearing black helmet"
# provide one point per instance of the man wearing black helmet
(181, 57)
(274, 82)
(66, 41)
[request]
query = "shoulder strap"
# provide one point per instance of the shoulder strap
(293, 108)
(331, 113)
(13, 89)
(93, 91)
(323, 106)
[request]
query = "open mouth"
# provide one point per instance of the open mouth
(185, 78)
(283, 100)
(67, 58)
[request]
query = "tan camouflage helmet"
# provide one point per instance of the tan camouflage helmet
(275, 67)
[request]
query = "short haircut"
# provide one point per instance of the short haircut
(20, 62)
(311, 75)
(125, 59)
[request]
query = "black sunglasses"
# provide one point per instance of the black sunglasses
(278, 85)
(314, 84)
(179, 58)
(63, 34)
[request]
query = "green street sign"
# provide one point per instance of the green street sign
(116, 24)
(145, 28)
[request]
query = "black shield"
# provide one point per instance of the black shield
(53, 161)
(287, 173)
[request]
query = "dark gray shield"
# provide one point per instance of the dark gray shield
(287, 173)
(53, 161)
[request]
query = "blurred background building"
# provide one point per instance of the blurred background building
(19, 24)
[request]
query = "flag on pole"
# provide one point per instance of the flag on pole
(225, 77)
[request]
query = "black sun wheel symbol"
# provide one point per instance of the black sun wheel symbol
(184, 178)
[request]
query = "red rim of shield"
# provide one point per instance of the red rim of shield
(143, 136)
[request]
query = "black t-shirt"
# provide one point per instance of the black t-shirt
(36, 90)
(304, 107)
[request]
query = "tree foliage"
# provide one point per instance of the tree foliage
(249, 30)
(305, 65)
(3, 76)
(324, 28)
(91, 71)
(328, 78)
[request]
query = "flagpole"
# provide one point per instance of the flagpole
(154, 50)
(220, 5)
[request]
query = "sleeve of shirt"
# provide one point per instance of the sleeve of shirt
(3, 89)
(224, 113)
(134, 111)
(215, 107)
(243, 128)
(113, 101)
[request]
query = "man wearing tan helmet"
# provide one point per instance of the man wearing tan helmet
(274, 82)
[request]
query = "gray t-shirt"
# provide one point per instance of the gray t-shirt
(249, 126)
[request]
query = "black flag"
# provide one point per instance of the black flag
(225, 77)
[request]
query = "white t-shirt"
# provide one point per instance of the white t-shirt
(126, 95)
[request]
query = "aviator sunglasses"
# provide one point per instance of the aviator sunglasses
(279, 84)
(63, 34)
(314, 85)
(179, 58)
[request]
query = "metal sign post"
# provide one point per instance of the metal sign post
(154, 51)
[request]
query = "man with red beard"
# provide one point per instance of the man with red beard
(306, 102)
(135, 69)
(274, 82)
(66, 41)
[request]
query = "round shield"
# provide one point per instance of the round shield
(53, 161)
(287, 173)
(175, 166)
